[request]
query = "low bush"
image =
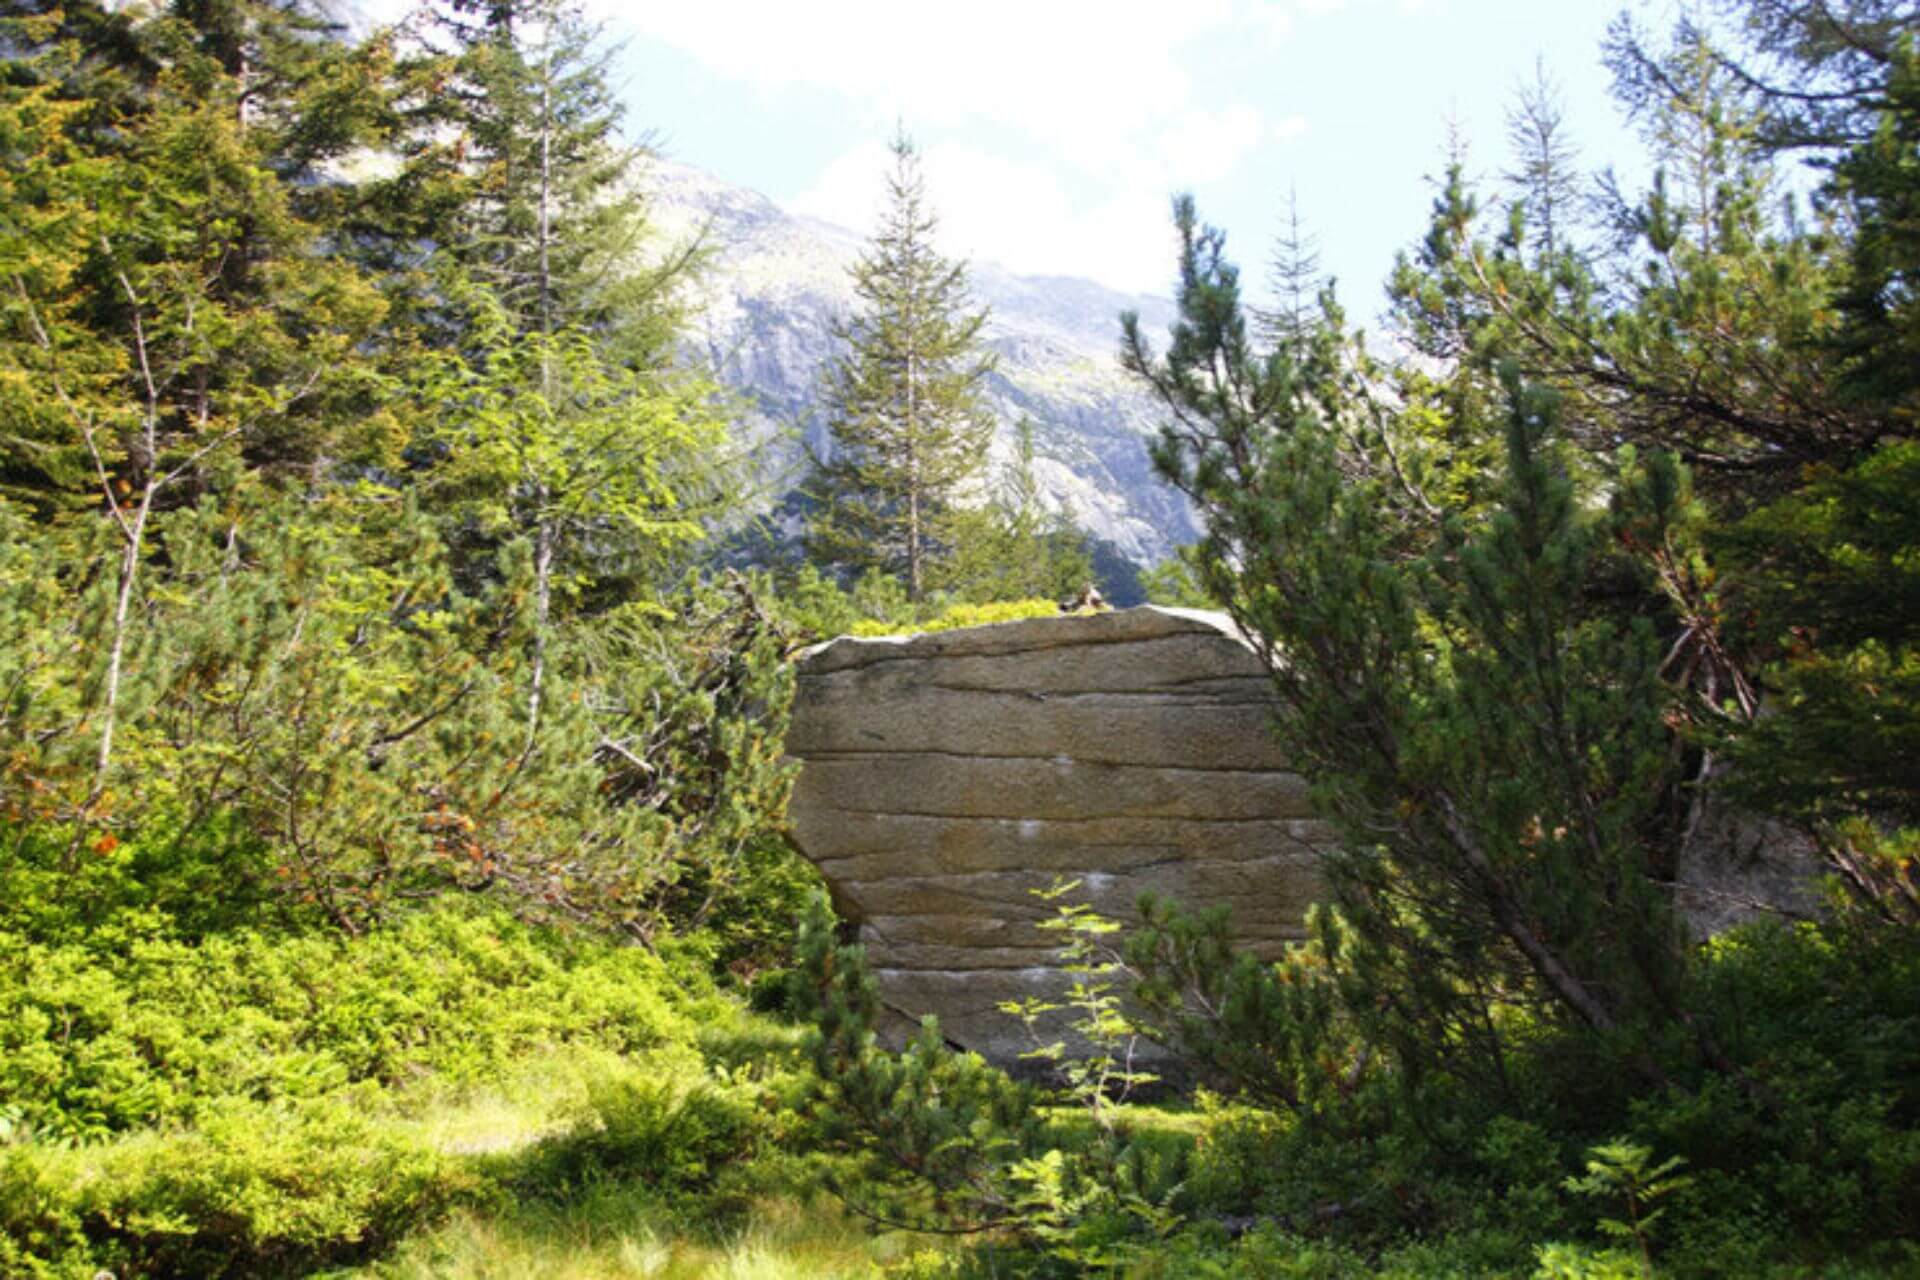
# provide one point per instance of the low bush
(250, 1189)
(95, 1042)
(661, 1121)
(197, 1080)
(264, 1105)
(955, 616)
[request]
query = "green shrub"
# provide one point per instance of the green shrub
(956, 616)
(41, 1233)
(95, 1042)
(60, 886)
(1800, 1153)
(241, 1105)
(252, 1189)
(1573, 1262)
(661, 1122)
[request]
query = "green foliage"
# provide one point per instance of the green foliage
(1277, 1032)
(253, 1189)
(942, 1120)
(518, 176)
(1623, 1173)
(276, 581)
(603, 463)
(955, 616)
(343, 630)
(1476, 568)
(950, 1144)
(660, 1123)
(1090, 1208)
(1765, 349)
(309, 687)
(264, 1105)
(1832, 596)
(135, 1027)
(1013, 548)
(1794, 1156)
(1572, 1262)
(817, 607)
(1501, 813)
(1176, 582)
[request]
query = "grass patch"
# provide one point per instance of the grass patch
(615, 1231)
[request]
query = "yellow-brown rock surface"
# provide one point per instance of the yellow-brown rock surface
(946, 776)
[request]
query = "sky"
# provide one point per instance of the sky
(1055, 132)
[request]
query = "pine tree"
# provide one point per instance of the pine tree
(1492, 749)
(905, 410)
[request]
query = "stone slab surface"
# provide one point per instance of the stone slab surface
(945, 777)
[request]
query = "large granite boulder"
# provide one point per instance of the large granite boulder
(947, 776)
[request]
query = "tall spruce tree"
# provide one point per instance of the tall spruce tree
(571, 426)
(544, 211)
(904, 402)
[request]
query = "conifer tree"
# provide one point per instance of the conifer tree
(547, 441)
(229, 606)
(175, 327)
(572, 426)
(1492, 749)
(541, 207)
(1295, 279)
(1775, 361)
(905, 409)
(1543, 173)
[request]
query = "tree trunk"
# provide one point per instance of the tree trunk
(546, 194)
(542, 611)
(132, 537)
(913, 545)
(913, 482)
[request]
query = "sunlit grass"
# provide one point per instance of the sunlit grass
(616, 1232)
(545, 1094)
(611, 1230)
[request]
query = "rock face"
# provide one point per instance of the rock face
(947, 776)
(1740, 867)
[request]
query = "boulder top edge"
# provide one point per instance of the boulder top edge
(995, 639)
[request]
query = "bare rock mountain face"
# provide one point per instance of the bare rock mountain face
(946, 776)
(777, 283)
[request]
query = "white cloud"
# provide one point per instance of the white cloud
(1085, 78)
(1204, 145)
(1102, 91)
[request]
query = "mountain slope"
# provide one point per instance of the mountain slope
(778, 281)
